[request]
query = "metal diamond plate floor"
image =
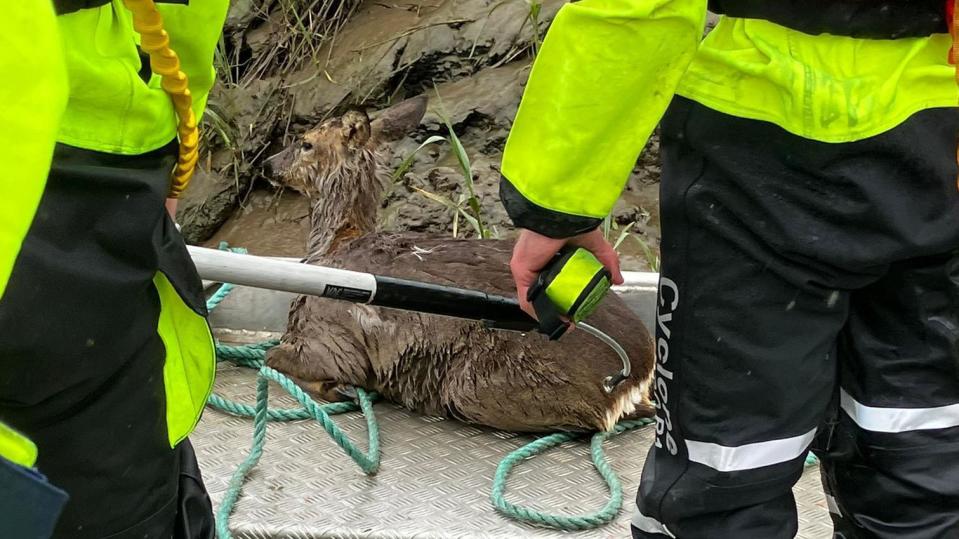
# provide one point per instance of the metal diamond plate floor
(434, 481)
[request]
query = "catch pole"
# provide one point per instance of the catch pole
(495, 311)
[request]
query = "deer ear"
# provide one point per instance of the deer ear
(357, 125)
(400, 119)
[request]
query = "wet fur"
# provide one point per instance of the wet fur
(430, 364)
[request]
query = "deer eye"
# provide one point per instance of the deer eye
(306, 146)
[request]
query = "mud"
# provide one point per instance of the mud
(471, 57)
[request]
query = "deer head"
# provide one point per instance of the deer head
(337, 165)
(342, 148)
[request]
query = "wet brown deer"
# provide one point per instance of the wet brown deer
(431, 364)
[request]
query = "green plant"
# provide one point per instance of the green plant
(651, 258)
(215, 126)
(222, 65)
(623, 234)
(533, 15)
(468, 201)
(535, 8)
(408, 162)
(609, 225)
(464, 203)
(482, 27)
(458, 210)
(467, 170)
(217, 132)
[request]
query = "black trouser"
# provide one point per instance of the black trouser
(809, 298)
(81, 363)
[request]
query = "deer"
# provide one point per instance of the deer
(430, 364)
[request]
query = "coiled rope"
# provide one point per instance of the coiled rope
(253, 356)
(573, 522)
(164, 61)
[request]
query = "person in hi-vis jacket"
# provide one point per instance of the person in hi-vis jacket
(106, 357)
(809, 292)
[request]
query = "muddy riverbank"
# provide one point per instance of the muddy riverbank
(471, 57)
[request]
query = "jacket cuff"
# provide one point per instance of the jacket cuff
(554, 224)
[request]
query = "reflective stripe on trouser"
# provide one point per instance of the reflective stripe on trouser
(809, 298)
(81, 355)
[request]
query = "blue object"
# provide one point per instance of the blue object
(29, 505)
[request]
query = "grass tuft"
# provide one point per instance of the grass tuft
(467, 206)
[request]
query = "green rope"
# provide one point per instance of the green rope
(253, 356)
(250, 355)
(601, 517)
(239, 476)
(221, 293)
(262, 414)
(573, 522)
(245, 410)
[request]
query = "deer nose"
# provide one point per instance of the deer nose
(276, 164)
(268, 169)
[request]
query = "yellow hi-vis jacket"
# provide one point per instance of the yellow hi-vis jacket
(608, 69)
(75, 79)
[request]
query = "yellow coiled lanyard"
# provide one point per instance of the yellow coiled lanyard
(155, 41)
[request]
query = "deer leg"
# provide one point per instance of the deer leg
(325, 390)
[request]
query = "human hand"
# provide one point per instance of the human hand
(533, 251)
(171, 204)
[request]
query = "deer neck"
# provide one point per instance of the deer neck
(346, 207)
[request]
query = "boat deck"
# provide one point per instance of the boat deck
(436, 474)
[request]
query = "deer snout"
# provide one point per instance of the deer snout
(278, 164)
